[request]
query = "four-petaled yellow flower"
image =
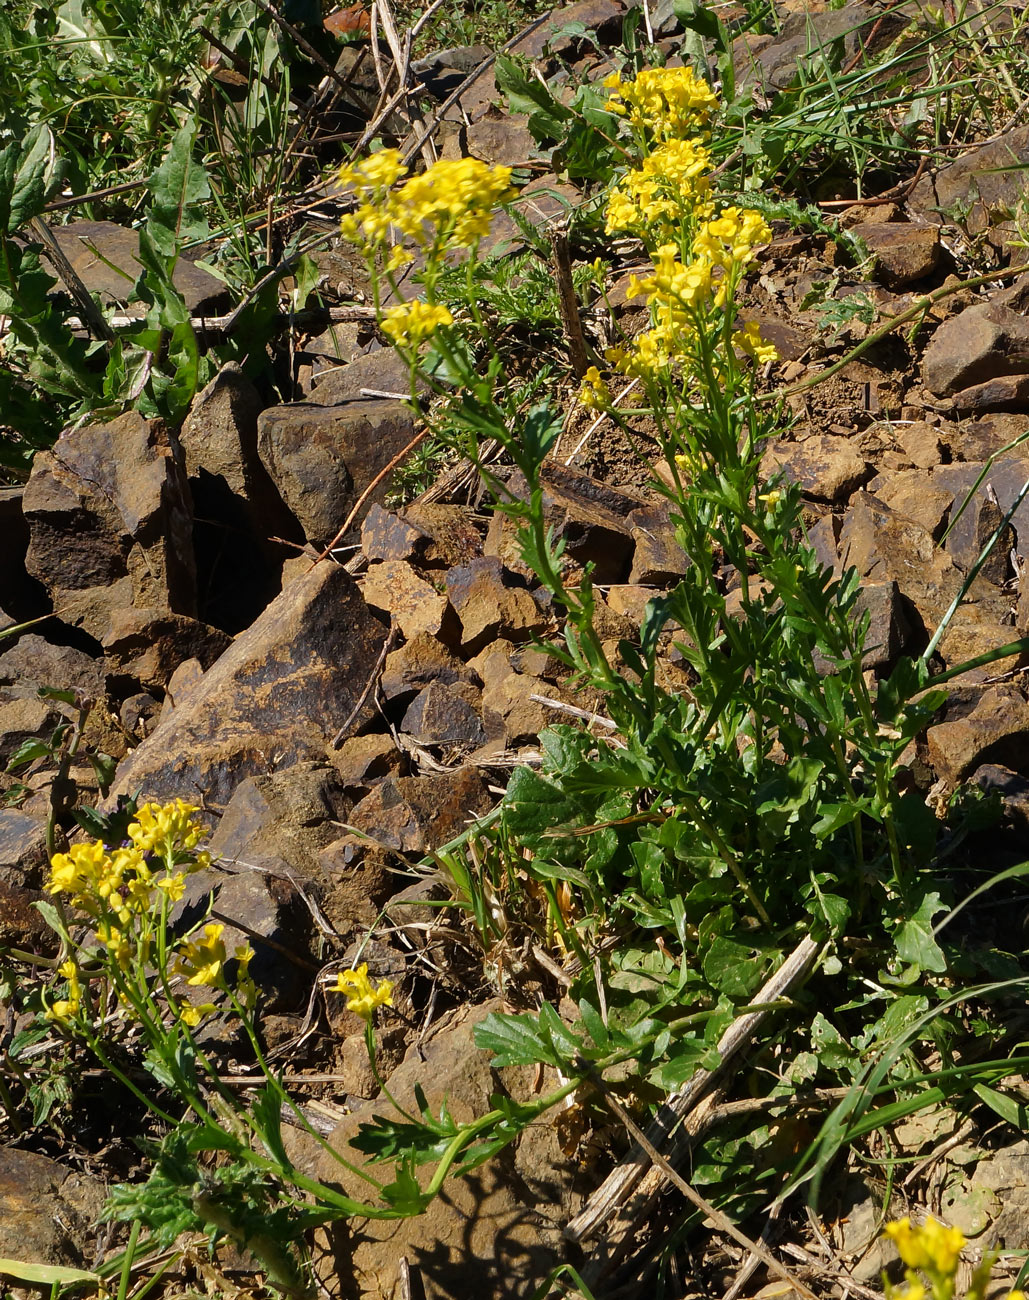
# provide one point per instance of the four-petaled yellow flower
(67, 1007)
(663, 103)
(594, 392)
(200, 961)
(411, 323)
(361, 997)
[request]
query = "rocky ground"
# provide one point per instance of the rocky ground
(340, 715)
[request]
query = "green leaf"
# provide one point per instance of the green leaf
(732, 967)
(26, 752)
(530, 95)
(178, 187)
(533, 804)
(516, 1040)
(914, 937)
(46, 1274)
(26, 177)
(1008, 1107)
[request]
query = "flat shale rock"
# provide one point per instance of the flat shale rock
(110, 519)
(828, 468)
(904, 253)
(415, 813)
(146, 648)
(277, 695)
(418, 662)
(445, 713)
(496, 1232)
(991, 178)
(48, 1213)
(321, 458)
(413, 604)
(487, 607)
(23, 862)
(980, 344)
(996, 731)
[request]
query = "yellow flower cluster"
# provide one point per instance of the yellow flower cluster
(411, 323)
(115, 885)
(67, 1008)
(201, 961)
(933, 1247)
(362, 997)
(450, 204)
(664, 103)
(672, 184)
(594, 392)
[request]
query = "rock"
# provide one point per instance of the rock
(23, 717)
(487, 608)
(1004, 393)
(601, 17)
(981, 343)
(32, 661)
(322, 458)
(445, 713)
(921, 443)
(48, 1212)
(509, 710)
(496, 1232)
(110, 520)
(383, 371)
(362, 760)
(889, 628)
(1004, 481)
(981, 438)
(144, 648)
(658, 557)
(904, 253)
(803, 42)
(237, 507)
(21, 596)
(23, 865)
(592, 518)
(996, 731)
(989, 178)
(276, 696)
(417, 663)
(912, 494)
(414, 605)
(413, 814)
(427, 535)
(139, 715)
(1012, 788)
(827, 467)
(106, 258)
(181, 682)
(501, 138)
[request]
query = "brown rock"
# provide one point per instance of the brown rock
(487, 608)
(321, 458)
(110, 519)
(32, 661)
(426, 535)
(629, 600)
(23, 717)
(413, 814)
(106, 257)
(990, 178)
(414, 604)
(501, 138)
(889, 628)
(981, 343)
(381, 371)
(48, 1212)
(183, 679)
(147, 647)
(23, 863)
(1004, 393)
(827, 468)
(493, 1233)
(276, 696)
(911, 493)
(921, 443)
(417, 663)
(904, 253)
(445, 713)
(363, 760)
(983, 437)
(981, 516)
(996, 731)
(658, 557)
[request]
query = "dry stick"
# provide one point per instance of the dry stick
(92, 315)
(721, 1221)
(367, 493)
(402, 61)
(369, 686)
(631, 1172)
(919, 308)
(223, 325)
(568, 302)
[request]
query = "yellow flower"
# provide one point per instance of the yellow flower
(192, 1015)
(200, 961)
(934, 1248)
(78, 871)
(411, 323)
(594, 392)
(665, 103)
(749, 340)
(398, 256)
(174, 886)
(167, 828)
(376, 172)
(670, 185)
(770, 499)
(66, 1008)
(361, 997)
